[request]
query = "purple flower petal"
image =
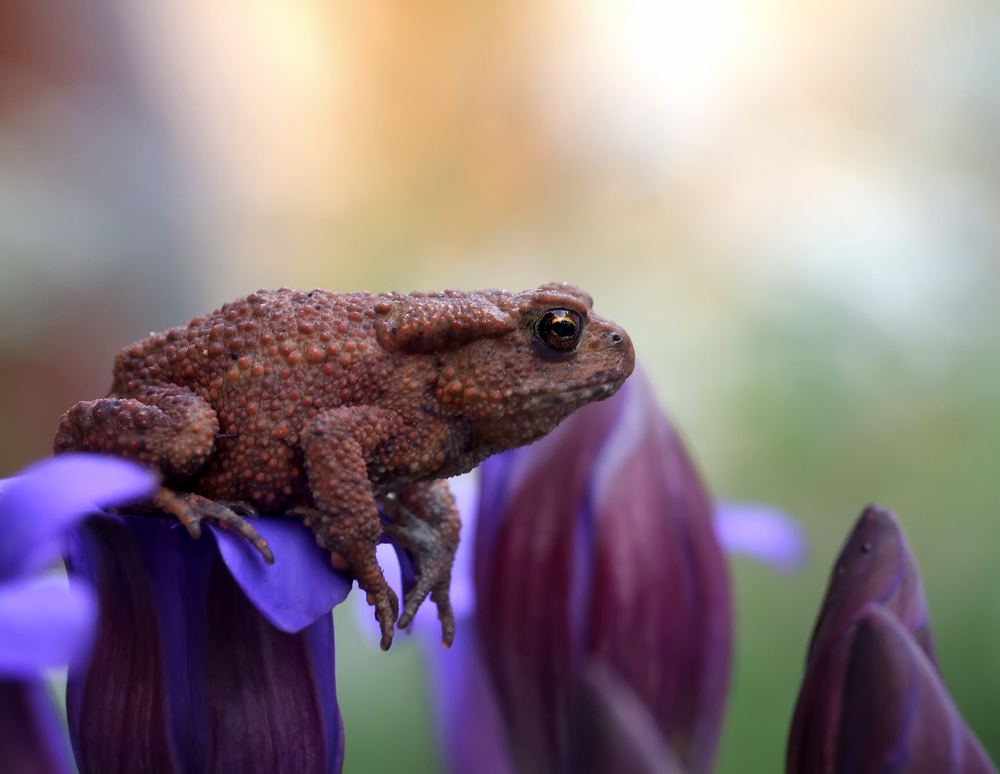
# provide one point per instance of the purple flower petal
(660, 610)
(299, 587)
(31, 737)
(765, 534)
(320, 645)
(529, 612)
(265, 711)
(117, 704)
(187, 674)
(43, 624)
(874, 565)
(38, 505)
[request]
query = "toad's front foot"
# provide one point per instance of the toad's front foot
(191, 509)
(386, 606)
(432, 550)
(356, 553)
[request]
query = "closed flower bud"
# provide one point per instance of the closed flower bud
(596, 544)
(871, 697)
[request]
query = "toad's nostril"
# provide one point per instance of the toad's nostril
(616, 338)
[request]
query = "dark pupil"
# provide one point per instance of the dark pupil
(563, 327)
(560, 329)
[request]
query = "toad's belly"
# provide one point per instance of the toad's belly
(271, 478)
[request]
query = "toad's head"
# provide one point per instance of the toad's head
(514, 364)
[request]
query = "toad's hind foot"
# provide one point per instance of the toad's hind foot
(191, 509)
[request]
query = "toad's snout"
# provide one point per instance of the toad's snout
(622, 344)
(615, 348)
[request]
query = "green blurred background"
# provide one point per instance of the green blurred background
(792, 208)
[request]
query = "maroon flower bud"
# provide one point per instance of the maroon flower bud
(597, 544)
(845, 707)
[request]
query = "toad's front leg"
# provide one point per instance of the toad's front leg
(425, 521)
(336, 445)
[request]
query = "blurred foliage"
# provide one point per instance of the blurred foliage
(383, 698)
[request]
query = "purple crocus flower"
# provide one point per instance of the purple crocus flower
(872, 699)
(206, 659)
(43, 622)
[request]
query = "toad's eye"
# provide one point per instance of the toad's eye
(560, 329)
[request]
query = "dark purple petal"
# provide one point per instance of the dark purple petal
(43, 623)
(299, 587)
(598, 541)
(211, 684)
(765, 534)
(660, 610)
(896, 713)
(613, 731)
(530, 529)
(116, 706)
(177, 569)
(38, 505)
(875, 565)
(320, 642)
(31, 737)
(265, 712)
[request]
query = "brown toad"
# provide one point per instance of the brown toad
(326, 406)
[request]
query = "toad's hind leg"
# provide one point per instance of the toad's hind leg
(191, 509)
(168, 428)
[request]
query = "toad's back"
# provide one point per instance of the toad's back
(276, 337)
(267, 364)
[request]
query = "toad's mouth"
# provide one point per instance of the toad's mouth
(537, 400)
